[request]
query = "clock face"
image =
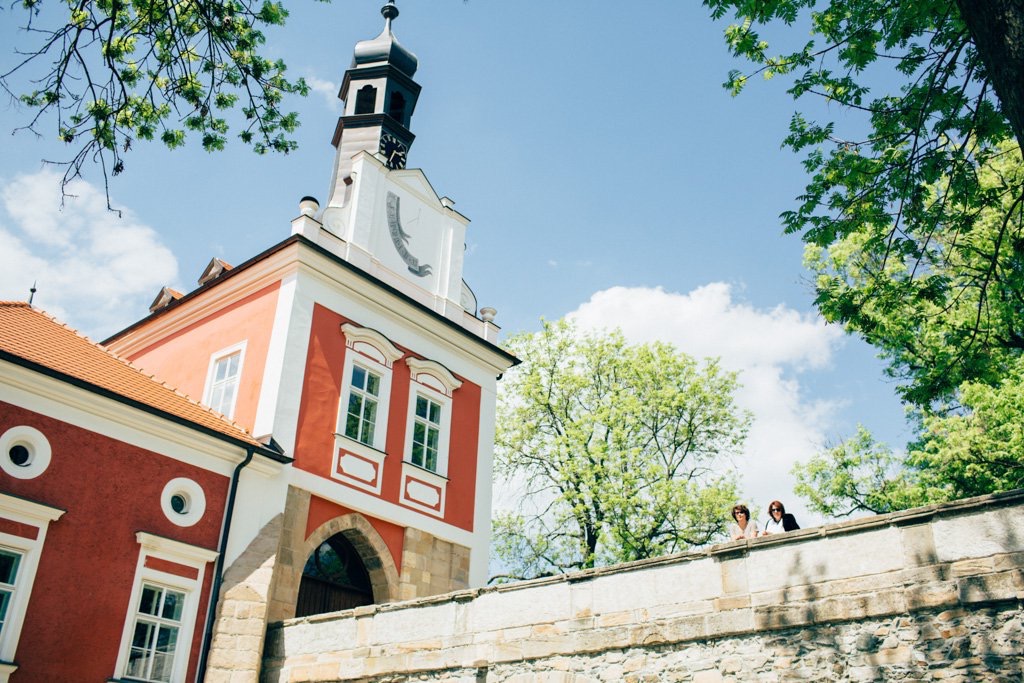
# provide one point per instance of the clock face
(394, 151)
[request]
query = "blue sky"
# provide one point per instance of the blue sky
(606, 171)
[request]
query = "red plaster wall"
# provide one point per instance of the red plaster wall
(322, 511)
(183, 358)
(318, 420)
(110, 491)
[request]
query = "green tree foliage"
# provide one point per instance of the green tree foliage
(913, 217)
(859, 475)
(954, 310)
(102, 74)
(975, 450)
(913, 213)
(622, 450)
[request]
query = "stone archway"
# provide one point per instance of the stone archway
(369, 545)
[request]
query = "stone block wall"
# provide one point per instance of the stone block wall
(928, 594)
(431, 566)
(241, 615)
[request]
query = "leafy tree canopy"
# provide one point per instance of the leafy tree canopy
(967, 453)
(101, 75)
(913, 212)
(623, 451)
(913, 217)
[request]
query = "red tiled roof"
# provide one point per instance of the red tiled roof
(33, 336)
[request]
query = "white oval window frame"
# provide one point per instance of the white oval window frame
(195, 501)
(38, 448)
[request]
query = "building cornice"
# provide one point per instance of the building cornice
(172, 434)
(284, 258)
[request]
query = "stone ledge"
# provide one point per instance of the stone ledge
(674, 600)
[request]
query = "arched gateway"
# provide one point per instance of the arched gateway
(347, 564)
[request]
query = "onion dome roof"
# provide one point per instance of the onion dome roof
(385, 47)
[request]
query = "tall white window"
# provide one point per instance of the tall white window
(426, 433)
(430, 415)
(155, 633)
(366, 386)
(10, 563)
(19, 560)
(223, 379)
(363, 402)
(163, 610)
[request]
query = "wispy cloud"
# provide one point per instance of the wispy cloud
(771, 348)
(95, 270)
(326, 89)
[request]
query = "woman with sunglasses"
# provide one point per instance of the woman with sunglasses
(778, 520)
(743, 528)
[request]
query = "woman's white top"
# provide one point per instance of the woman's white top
(773, 527)
(749, 532)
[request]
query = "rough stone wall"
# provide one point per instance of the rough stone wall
(923, 595)
(290, 560)
(431, 566)
(953, 646)
(241, 615)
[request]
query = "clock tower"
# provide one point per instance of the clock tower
(380, 216)
(380, 96)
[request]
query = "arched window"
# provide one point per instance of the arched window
(366, 99)
(333, 579)
(397, 107)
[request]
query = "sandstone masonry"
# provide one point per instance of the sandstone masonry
(928, 594)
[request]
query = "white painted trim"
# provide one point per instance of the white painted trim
(362, 451)
(6, 670)
(31, 514)
(180, 553)
(355, 334)
(38, 448)
(218, 297)
(341, 290)
(281, 418)
(28, 512)
(418, 477)
(378, 507)
(273, 366)
(195, 501)
(215, 358)
(175, 551)
(85, 409)
(478, 565)
(423, 370)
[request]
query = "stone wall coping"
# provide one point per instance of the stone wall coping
(720, 552)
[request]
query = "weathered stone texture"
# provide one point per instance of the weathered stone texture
(242, 610)
(888, 598)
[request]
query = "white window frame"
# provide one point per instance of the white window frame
(434, 382)
(180, 553)
(30, 514)
(215, 358)
(383, 376)
(374, 353)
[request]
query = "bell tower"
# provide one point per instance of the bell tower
(380, 96)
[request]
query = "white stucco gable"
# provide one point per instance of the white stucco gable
(396, 227)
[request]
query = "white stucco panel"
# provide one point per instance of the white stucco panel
(687, 582)
(418, 623)
(838, 557)
(982, 534)
(538, 605)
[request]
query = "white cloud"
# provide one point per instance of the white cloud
(771, 348)
(95, 270)
(326, 89)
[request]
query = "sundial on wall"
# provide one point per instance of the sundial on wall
(400, 238)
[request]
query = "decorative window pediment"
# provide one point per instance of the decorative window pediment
(434, 375)
(371, 344)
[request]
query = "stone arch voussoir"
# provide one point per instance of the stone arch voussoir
(372, 549)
